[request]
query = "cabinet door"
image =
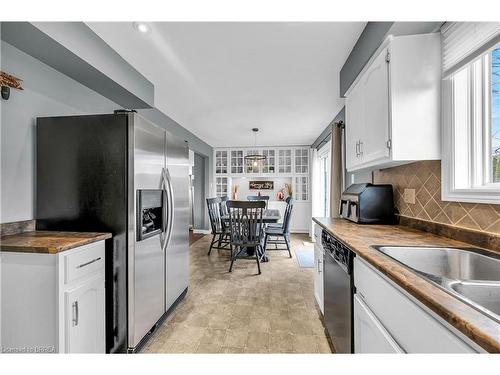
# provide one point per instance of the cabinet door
(285, 161)
(269, 165)
(301, 188)
(84, 323)
(237, 162)
(222, 187)
(375, 90)
(318, 276)
(221, 161)
(369, 334)
(354, 126)
(301, 160)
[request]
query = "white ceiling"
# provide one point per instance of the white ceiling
(219, 80)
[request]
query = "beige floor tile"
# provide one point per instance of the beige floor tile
(305, 344)
(241, 312)
(259, 325)
(258, 341)
(236, 338)
(280, 342)
(209, 348)
(213, 336)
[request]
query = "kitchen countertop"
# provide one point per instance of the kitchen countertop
(359, 237)
(49, 242)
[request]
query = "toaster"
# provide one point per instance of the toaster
(368, 204)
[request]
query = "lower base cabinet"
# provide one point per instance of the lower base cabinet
(388, 320)
(318, 269)
(54, 302)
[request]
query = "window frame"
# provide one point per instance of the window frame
(478, 187)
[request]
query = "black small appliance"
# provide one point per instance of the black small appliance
(368, 204)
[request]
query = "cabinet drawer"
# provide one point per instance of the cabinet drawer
(414, 329)
(83, 261)
(369, 334)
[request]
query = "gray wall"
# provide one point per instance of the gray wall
(73, 49)
(199, 192)
(47, 92)
(367, 43)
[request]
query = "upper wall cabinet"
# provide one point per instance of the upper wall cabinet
(237, 162)
(393, 107)
(301, 160)
(221, 161)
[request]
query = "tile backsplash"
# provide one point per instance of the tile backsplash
(425, 178)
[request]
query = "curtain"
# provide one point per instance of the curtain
(336, 168)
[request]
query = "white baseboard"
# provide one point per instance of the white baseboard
(201, 231)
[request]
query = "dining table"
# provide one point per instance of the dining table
(268, 216)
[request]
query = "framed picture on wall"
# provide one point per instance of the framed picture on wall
(261, 185)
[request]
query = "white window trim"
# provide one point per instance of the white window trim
(479, 191)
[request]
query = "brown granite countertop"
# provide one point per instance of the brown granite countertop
(50, 242)
(359, 237)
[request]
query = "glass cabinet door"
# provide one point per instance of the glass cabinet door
(222, 186)
(221, 162)
(237, 162)
(301, 187)
(284, 161)
(301, 160)
(270, 162)
(253, 166)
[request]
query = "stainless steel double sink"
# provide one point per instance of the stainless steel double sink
(471, 275)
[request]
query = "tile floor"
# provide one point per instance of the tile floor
(242, 312)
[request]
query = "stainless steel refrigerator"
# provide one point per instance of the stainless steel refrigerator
(122, 174)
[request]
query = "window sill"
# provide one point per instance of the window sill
(477, 195)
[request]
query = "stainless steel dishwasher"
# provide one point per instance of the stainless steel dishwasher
(338, 286)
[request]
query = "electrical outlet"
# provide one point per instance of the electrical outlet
(409, 196)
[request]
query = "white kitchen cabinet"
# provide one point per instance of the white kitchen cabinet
(269, 165)
(393, 106)
(301, 160)
(222, 186)
(284, 161)
(237, 162)
(398, 319)
(221, 161)
(54, 302)
(84, 307)
(318, 270)
(369, 334)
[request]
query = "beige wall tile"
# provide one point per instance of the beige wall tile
(425, 178)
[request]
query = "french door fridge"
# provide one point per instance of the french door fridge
(122, 174)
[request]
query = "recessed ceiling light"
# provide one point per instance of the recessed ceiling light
(142, 27)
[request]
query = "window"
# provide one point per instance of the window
(324, 173)
(471, 131)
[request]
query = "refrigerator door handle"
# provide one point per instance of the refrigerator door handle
(165, 203)
(170, 194)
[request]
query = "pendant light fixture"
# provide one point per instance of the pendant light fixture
(255, 157)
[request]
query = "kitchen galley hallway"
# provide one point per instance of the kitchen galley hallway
(242, 312)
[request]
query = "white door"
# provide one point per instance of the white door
(354, 126)
(369, 334)
(318, 276)
(375, 90)
(84, 308)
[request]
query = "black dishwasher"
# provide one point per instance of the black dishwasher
(338, 292)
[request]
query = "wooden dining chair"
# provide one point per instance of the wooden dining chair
(273, 233)
(220, 232)
(264, 198)
(245, 226)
